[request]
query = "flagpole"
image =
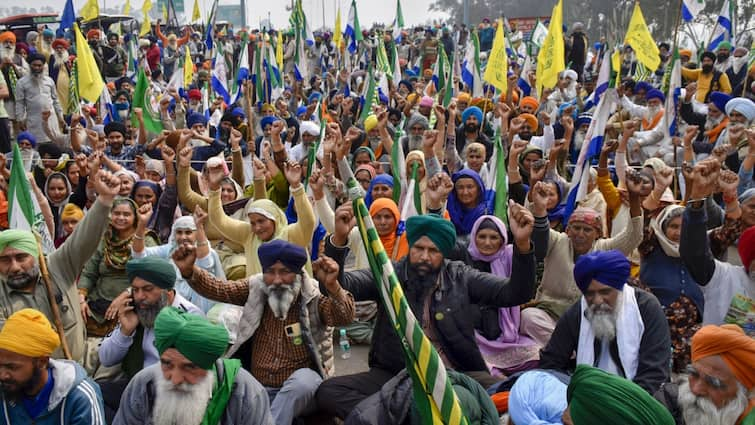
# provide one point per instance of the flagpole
(51, 298)
(676, 34)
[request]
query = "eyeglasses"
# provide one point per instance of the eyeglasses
(711, 381)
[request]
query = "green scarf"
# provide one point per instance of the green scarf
(116, 252)
(221, 392)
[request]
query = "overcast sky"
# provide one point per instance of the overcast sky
(370, 11)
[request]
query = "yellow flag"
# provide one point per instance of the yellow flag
(638, 36)
(337, 36)
(91, 10)
(146, 23)
(188, 68)
(165, 13)
(496, 72)
(195, 15)
(88, 78)
(616, 61)
(550, 59)
(127, 7)
(279, 50)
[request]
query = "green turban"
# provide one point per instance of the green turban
(20, 239)
(597, 397)
(155, 270)
(439, 230)
(723, 45)
(193, 336)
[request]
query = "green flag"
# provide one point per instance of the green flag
(144, 99)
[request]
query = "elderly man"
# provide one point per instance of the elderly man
(36, 93)
(37, 389)
(596, 397)
(718, 389)
(712, 125)
(439, 292)
(614, 326)
(648, 135)
(22, 286)
(310, 131)
(58, 66)
(558, 291)
(285, 336)
(191, 384)
(415, 128)
(720, 281)
(132, 343)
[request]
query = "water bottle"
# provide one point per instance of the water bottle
(343, 341)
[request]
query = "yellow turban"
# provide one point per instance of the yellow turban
(28, 332)
(370, 123)
(72, 211)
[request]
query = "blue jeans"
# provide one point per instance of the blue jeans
(295, 398)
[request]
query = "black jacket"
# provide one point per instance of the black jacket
(655, 346)
(460, 286)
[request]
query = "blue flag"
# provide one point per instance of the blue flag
(67, 18)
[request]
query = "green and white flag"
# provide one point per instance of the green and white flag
(538, 34)
(24, 212)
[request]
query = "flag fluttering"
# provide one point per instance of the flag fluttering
(638, 36)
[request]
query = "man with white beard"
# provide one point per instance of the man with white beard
(285, 335)
(737, 72)
(59, 68)
(13, 67)
(648, 137)
(35, 94)
(713, 124)
(718, 389)
(191, 385)
(415, 129)
(615, 327)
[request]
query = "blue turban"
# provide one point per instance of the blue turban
(316, 96)
(292, 256)
(607, 267)
(25, 135)
(642, 85)
(379, 179)
(720, 100)
(238, 112)
(435, 227)
(655, 94)
(268, 120)
(584, 118)
(196, 118)
(472, 110)
(742, 105)
(301, 110)
(537, 397)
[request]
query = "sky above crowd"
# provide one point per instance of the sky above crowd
(372, 11)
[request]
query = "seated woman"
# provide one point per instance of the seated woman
(502, 347)
(468, 201)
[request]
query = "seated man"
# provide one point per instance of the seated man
(440, 293)
(614, 326)
(191, 384)
(597, 397)
(36, 388)
(718, 390)
(285, 336)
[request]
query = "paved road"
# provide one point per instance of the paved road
(355, 364)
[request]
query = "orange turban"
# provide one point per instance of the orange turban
(733, 345)
(28, 332)
(8, 36)
(531, 102)
(464, 97)
(685, 52)
(531, 120)
(93, 33)
(61, 42)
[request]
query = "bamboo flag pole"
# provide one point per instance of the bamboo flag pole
(53, 303)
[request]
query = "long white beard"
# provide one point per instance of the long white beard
(603, 319)
(701, 411)
(652, 112)
(737, 63)
(60, 58)
(182, 404)
(7, 52)
(579, 138)
(280, 297)
(711, 122)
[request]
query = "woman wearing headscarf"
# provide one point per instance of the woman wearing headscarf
(501, 345)
(380, 187)
(468, 201)
(415, 170)
(664, 273)
(265, 220)
(104, 275)
(364, 175)
(70, 217)
(362, 155)
(57, 191)
(163, 202)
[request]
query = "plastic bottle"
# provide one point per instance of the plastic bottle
(344, 343)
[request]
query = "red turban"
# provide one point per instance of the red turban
(93, 33)
(747, 247)
(195, 94)
(22, 47)
(60, 42)
(733, 345)
(8, 36)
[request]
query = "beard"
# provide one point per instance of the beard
(579, 138)
(7, 52)
(21, 280)
(415, 142)
(59, 58)
(652, 112)
(737, 63)
(424, 271)
(281, 297)
(711, 122)
(15, 391)
(701, 411)
(147, 312)
(182, 404)
(707, 69)
(471, 127)
(602, 318)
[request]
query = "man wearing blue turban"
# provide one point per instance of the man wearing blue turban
(614, 326)
(470, 131)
